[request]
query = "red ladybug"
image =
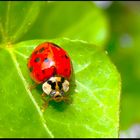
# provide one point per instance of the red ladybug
(51, 66)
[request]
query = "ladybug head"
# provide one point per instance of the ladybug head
(56, 87)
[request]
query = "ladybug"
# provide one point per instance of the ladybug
(51, 66)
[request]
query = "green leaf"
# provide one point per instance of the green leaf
(95, 93)
(16, 18)
(75, 20)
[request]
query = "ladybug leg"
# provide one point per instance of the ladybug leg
(46, 102)
(31, 87)
(43, 95)
(67, 99)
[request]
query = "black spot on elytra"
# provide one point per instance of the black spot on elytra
(31, 69)
(60, 85)
(66, 56)
(35, 52)
(42, 49)
(37, 59)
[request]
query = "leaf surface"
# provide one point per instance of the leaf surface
(95, 93)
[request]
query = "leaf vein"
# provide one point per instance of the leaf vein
(7, 16)
(91, 93)
(2, 32)
(21, 54)
(24, 23)
(29, 93)
(76, 124)
(82, 68)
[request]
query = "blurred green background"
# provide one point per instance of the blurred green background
(123, 47)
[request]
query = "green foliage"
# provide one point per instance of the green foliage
(95, 107)
(16, 18)
(95, 85)
(80, 20)
(124, 50)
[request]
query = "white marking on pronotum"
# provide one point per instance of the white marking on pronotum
(65, 86)
(46, 88)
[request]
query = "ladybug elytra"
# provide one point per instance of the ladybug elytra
(51, 66)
